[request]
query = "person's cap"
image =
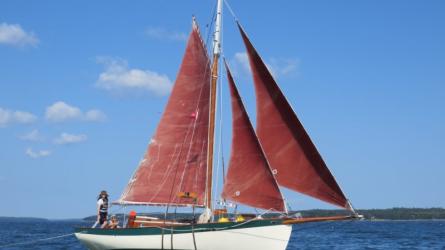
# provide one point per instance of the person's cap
(103, 192)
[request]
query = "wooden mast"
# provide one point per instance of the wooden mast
(212, 108)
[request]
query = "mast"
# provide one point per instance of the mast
(212, 108)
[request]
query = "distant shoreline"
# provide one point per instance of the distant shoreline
(398, 213)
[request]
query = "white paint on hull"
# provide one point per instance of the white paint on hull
(273, 237)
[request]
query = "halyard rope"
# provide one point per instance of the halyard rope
(226, 2)
(34, 241)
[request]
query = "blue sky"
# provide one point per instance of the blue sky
(83, 85)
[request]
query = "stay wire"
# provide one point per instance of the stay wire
(209, 25)
(34, 241)
(226, 2)
(220, 115)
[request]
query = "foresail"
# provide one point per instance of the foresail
(249, 179)
(290, 151)
(177, 154)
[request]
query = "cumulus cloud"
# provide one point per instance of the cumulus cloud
(10, 116)
(32, 136)
(118, 77)
(163, 34)
(278, 67)
(95, 115)
(24, 117)
(61, 111)
(66, 138)
(13, 34)
(240, 64)
(283, 67)
(37, 154)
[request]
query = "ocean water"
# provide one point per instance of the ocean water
(325, 235)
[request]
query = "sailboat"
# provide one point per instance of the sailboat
(177, 168)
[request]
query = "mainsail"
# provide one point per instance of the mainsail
(290, 151)
(249, 178)
(176, 159)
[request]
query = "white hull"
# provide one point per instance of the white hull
(274, 237)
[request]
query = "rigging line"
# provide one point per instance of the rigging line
(186, 137)
(213, 229)
(193, 128)
(220, 117)
(195, 121)
(193, 227)
(173, 185)
(207, 172)
(130, 186)
(180, 153)
(177, 168)
(314, 225)
(209, 27)
(34, 241)
(230, 10)
(123, 220)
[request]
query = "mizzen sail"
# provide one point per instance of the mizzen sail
(249, 179)
(290, 151)
(176, 158)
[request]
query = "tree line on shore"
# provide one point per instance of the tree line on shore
(397, 213)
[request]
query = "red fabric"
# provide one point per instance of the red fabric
(249, 178)
(288, 148)
(176, 159)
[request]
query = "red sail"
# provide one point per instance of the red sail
(176, 159)
(249, 178)
(290, 151)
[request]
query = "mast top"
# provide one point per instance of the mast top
(217, 33)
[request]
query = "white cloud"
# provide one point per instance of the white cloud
(283, 67)
(32, 136)
(241, 63)
(61, 111)
(13, 34)
(118, 77)
(278, 67)
(9, 116)
(24, 117)
(95, 115)
(163, 34)
(37, 154)
(66, 138)
(5, 117)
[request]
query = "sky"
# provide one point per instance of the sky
(83, 85)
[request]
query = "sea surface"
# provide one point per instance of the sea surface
(34, 234)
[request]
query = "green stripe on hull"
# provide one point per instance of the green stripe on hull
(180, 229)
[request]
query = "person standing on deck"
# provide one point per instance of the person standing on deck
(102, 209)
